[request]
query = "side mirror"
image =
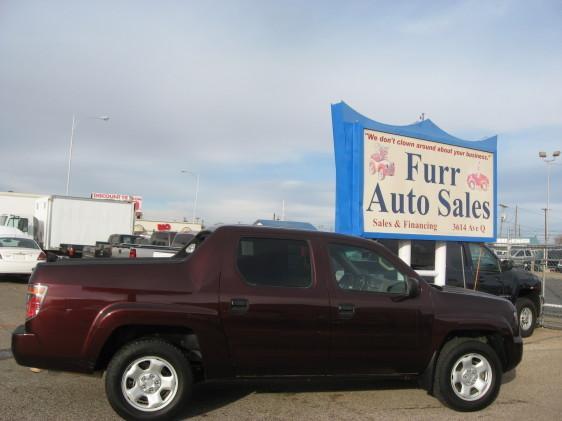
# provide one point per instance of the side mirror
(413, 288)
(506, 265)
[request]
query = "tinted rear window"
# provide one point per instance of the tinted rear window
(275, 262)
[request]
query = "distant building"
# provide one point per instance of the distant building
(285, 224)
(146, 226)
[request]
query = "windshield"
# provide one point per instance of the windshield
(18, 242)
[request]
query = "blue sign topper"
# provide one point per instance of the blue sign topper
(412, 182)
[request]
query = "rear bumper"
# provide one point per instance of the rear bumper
(24, 268)
(25, 347)
(28, 351)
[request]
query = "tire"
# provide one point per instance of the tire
(527, 315)
(468, 375)
(158, 372)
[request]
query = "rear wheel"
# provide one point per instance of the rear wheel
(527, 316)
(468, 375)
(148, 379)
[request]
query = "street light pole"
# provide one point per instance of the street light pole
(70, 152)
(548, 161)
(74, 124)
(196, 175)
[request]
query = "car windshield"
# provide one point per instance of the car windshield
(18, 242)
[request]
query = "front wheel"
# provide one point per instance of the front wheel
(468, 375)
(527, 316)
(148, 379)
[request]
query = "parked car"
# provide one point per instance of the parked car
(19, 254)
(523, 258)
(254, 301)
(160, 244)
(162, 238)
(181, 239)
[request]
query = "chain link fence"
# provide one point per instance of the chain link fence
(549, 269)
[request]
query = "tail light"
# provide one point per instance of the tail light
(42, 256)
(35, 295)
(132, 253)
(70, 251)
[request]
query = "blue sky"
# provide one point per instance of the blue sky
(240, 91)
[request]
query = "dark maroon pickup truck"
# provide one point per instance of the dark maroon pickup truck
(252, 301)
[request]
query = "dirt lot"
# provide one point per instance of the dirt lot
(532, 391)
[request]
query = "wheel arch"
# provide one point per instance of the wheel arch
(534, 297)
(494, 339)
(182, 337)
(194, 329)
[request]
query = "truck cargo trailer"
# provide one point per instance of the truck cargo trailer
(69, 223)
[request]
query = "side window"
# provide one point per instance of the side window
(455, 265)
(483, 258)
(423, 255)
(275, 262)
(23, 225)
(359, 269)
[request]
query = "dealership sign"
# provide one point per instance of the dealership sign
(137, 200)
(414, 181)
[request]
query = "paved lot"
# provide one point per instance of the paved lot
(532, 391)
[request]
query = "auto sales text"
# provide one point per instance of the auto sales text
(410, 203)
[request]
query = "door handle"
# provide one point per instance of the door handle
(346, 311)
(239, 305)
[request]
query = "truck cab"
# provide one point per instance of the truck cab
(25, 223)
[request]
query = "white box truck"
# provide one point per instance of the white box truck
(68, 223)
